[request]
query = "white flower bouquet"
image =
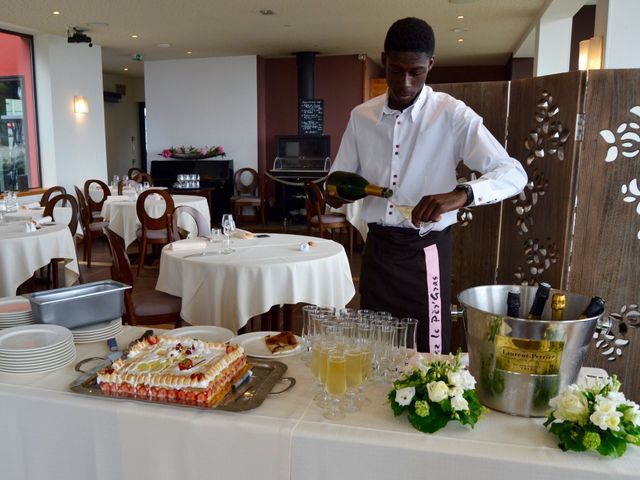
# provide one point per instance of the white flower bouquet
(596, 418)
(436, 392)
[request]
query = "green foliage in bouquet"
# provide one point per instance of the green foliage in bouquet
(436, 392)
(597, 418)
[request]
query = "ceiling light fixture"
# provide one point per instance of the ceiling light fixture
(189, 52)
(460, 17)
(460, 40)
(55, 12)
(163, 45)
(267, 11)
(134, 36)
(125, 69)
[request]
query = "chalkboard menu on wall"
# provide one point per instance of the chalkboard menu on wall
(311, 117)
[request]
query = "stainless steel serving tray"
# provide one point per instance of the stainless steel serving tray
(250, 395)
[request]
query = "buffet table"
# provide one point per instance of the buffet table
(22, 253)
(227, 290)
(120, 211)
(49, 432)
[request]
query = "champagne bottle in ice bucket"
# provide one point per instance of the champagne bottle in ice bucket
(350, 186)
(542, 294)
(558, 303)
(595, 308)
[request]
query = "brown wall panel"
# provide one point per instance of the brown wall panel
(606, 251)
(535, 225)
(475, 241)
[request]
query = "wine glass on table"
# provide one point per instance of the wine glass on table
(228, 226)
(335, 382)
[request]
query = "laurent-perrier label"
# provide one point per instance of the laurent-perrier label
(532, 357)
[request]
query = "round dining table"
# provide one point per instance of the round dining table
(23, 252)
(61, 214)
(120, 212)
(264, 271)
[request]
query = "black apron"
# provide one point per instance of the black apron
(394, 278)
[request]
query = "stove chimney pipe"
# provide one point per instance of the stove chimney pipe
(306, 62)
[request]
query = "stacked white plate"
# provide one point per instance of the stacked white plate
(35, 349)
(97, 332)
(14, 312)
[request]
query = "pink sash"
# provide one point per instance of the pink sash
(433, 291)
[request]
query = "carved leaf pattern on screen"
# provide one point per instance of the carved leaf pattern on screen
(528, 198)
(625, 141)
(612, 343)
(538, 257)
(549, 136)
(631, 193)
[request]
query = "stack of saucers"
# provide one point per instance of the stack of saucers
(97, 332)
(35, 349)
(15, 311)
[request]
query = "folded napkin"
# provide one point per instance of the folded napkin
(42, 220)
(33, 206)
(189, 244)
(242, 234)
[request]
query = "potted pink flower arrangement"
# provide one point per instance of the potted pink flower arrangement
(193, 153)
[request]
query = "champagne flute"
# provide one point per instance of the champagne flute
(406, 211)
(335, 383)
(353, 359)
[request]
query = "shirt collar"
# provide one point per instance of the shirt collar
(414, 108)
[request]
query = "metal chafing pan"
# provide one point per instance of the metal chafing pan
(79, 305)
(266, 374)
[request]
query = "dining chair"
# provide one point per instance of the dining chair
(95, 207)
(133, 171)
(58, 189)
(248, 195)
(140, 308)
(200, 220)
(143, 177)
(153, 231)
(91, 230)
(49, 211)
(318, 218)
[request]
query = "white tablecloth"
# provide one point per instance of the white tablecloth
(123, 220)
(227, 290)
(352, 212)
(60, 214)
(22, 253)
(49, 432)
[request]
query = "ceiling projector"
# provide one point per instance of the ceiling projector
(76, 35)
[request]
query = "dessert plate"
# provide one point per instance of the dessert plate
(33, 338)
(253, 343)
(204, 333)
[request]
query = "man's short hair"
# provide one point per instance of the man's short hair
(410, 35)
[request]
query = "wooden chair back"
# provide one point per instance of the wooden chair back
(243, 188)
(85, 216)
(120, 266)
(50, 192)
(143, 177)
(49, 210)
(95, 206)
(163, 221)
(313, 201)
(198, 217)
(133, 171)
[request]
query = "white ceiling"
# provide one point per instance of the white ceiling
(493, 29)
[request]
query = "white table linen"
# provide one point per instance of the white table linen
(227, 290)
(53, 433)
(353, 213)
(60, 213)
(123, 219)
(22, 253)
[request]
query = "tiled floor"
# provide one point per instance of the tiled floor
(101, 265)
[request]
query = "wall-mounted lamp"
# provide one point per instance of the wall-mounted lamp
(80, 104)
(590, 57)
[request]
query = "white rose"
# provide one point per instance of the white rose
(570, 405)
(438, 391)
(405, 395)
(468, 381)
(633, 415)
(456, 391)
(456, 379)
(459, 403)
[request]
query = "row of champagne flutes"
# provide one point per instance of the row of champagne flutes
(351, 347)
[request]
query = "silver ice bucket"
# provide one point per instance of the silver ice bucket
(520, 364)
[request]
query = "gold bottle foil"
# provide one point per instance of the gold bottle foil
(532, 357)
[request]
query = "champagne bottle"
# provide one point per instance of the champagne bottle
(558, 302)
(594, 309)
(542, 294)
(351, 186)
(513, 303)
